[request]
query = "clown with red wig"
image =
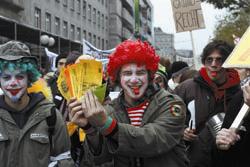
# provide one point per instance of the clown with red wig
(144, 125)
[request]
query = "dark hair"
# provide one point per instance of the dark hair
(72, 57)
(177, 66)
(222, 47)
(61, 56)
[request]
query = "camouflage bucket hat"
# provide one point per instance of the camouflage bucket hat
(14, 50)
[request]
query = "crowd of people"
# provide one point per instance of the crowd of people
(161, 117)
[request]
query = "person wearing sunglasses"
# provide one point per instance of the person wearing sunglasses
(210, 92)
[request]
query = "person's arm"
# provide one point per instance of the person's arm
(226, 138)
(246, 94)
(154, 138)
(94, 139)
(60, 154)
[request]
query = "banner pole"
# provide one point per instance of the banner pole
(195, 58)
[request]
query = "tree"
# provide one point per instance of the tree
(232, 24)
(232, 5)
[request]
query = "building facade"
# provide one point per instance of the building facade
(186, 56)
(104, 23)
(122, 21)
(67, 21)
(164, 44)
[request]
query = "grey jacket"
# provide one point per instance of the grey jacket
(30, 146)
(157, 142)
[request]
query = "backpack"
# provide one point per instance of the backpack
(51, 122)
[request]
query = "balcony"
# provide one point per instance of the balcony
(126, 34)
(129, 5)
(128, 20)
(14, 4)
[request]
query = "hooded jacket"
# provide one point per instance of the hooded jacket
(157, 142)
(24, 136)
(209, 100)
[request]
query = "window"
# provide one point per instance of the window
(107, 23)
(72, 32)
(84, 34)
(102, 21)
(90, 38)
(65, 29)
(102, 2)
(84, 9)
(107, 44)
(98, 42)
(65, 3)
(37, 19)
(94, 40)
(89, 12)
(47, 22)
(72, 5)
(102, 44)
(78, 5)
(99, 20)
(94, 16)
(57, 25)
(78, 33)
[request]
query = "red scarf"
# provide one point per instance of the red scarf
(233, 79)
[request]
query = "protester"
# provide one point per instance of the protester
(52, 77)
(244, 74)
(233, 145)
(177, 69)
(190, 73)
(207, 94)
(144, 125)
(161, 78)
(32, 132)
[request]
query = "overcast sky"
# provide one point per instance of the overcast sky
(163, 17)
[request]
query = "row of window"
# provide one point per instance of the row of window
(94, 16)
(95, 40)
(78, 3)
(75, 32)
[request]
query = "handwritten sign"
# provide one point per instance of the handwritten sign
(187, 15)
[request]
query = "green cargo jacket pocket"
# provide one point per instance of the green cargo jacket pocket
(40, 138)
(40, 143)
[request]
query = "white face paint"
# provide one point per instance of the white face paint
(134, 81)
(14, 84)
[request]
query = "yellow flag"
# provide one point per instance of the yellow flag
(240, 57)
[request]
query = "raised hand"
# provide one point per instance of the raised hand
(189, 134)
(93, 110)
(76, 113)
(226, 138)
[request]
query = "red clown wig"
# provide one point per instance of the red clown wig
(130, 51)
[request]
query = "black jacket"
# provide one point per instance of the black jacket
(238, 154)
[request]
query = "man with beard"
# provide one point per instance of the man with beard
(143, 127)
(210, 93)
(28, 137)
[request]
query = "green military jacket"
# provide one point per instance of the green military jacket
(157, 142)
(30, 146)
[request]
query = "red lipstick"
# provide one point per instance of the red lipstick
(14, 92)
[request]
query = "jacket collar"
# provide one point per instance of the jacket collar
(37, 103)
(218, 91)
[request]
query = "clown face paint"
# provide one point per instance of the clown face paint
(134, 81)
(14, 84)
